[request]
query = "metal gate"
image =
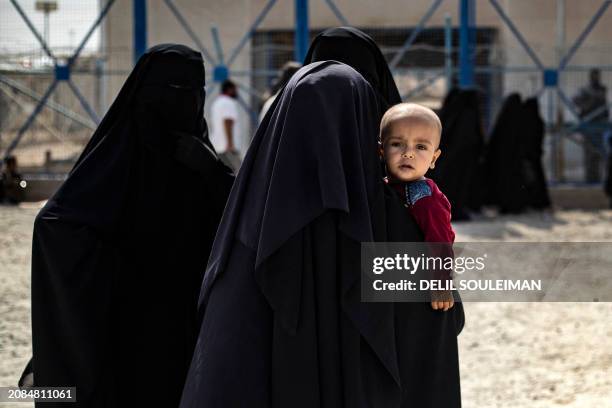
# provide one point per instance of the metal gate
(458, 59)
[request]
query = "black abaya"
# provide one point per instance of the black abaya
(514, 172)
(119, 251)
(282, 320)
(504, 180)
(358, 50)
(533, 170)
(461, 144)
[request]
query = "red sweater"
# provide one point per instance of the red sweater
(432, 212)
(429, 207)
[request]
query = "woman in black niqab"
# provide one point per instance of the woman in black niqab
(462, 142)
(282, 320)
(515, 175)
(119, 250)
(532, 138)
(504, 176)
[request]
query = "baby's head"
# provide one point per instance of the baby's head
(410, 139)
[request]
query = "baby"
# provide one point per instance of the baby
(410, 139)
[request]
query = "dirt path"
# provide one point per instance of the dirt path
(512, 354)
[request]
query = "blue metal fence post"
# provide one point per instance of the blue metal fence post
(467, 13)
(301, 29)
(472, 28)
(448, 51)
(140, 28)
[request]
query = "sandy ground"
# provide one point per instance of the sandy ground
(512, 354)
(537, 354)
(15, 251)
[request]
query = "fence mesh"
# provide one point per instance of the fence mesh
(502, 67)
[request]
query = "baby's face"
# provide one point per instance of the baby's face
(410, 149)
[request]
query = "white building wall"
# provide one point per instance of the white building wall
(536, 19)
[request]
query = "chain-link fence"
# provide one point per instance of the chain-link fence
(425, 72)
(61, 129)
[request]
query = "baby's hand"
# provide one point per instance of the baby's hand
(442, 300)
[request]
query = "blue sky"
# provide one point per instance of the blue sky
(67, 25)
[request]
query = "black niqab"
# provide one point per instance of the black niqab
(119, 250)
(282, 321)
(514, 172)
(358, 50)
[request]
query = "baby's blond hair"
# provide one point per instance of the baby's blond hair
(409, 111)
